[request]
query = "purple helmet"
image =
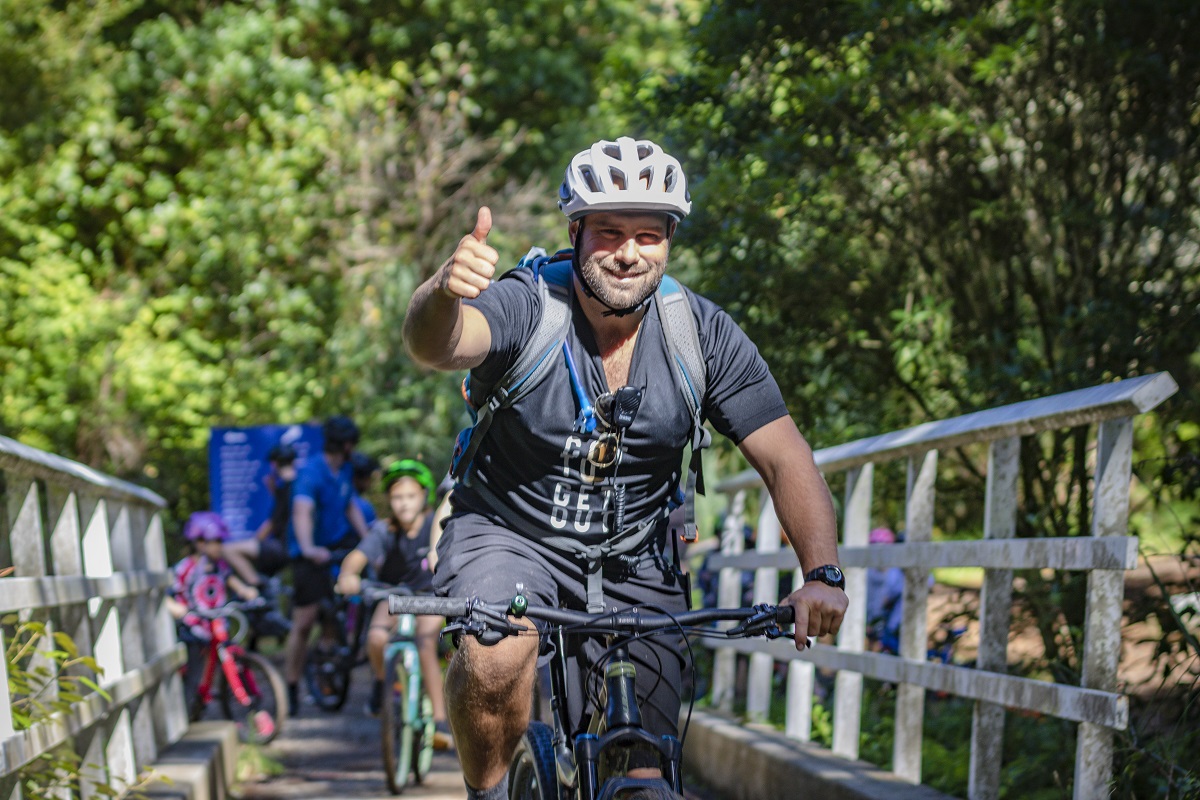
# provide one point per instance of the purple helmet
(205, 525)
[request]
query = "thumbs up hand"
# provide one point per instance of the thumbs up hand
(469, 271)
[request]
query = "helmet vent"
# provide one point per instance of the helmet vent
(644, 151)
(612, 149)
(589, 178)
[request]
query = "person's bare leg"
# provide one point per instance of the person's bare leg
(241, 555)
(296, 648)
(489, 691)
(429, 630)
(378, 634)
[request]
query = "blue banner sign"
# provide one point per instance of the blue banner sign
(238, 472)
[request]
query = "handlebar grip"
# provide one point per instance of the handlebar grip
(785, 615)
(432, 606)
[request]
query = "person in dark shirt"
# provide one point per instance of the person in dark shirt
(540, 491)
(396, 550)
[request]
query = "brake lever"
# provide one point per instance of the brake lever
(488, 627)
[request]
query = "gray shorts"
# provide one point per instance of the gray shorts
(478, 557)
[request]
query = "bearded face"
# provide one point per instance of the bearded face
(623, 256)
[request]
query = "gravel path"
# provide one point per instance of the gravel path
(336, 756)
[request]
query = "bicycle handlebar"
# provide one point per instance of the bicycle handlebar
(757, 620)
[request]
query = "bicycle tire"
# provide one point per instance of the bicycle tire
(262, 720)
(327, 678)
(423, 733)
(396, 731)
(532, 774)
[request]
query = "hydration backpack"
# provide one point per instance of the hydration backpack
(554, 281)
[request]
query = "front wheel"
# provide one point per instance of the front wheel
(532, 775)
(396, 734)
(254, 698)
(328, 677)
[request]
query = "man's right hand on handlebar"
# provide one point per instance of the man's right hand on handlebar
(470, 269)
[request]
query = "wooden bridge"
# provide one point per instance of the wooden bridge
(90, 561)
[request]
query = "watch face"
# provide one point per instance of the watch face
(834, 574)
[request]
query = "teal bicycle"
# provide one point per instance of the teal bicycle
(406, 715)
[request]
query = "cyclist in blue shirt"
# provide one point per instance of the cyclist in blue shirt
(325, 518)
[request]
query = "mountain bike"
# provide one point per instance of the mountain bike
(548, 765)
(333, 658)
(406, 716)
(250, 688)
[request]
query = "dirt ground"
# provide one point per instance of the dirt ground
(953, 607)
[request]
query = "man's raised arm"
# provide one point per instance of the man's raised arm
(440, 331)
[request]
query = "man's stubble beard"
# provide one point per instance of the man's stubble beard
(619, 297)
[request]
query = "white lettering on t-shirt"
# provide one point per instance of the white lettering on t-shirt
(571, 449)
(582, 518)
(562, 501)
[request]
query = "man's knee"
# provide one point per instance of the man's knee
(498, 669)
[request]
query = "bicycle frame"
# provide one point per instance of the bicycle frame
(223, 650)
(617, 725)
(578, 764)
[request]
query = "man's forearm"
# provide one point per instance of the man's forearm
(433, 324)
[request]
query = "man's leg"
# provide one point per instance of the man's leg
(295, 651)
(489, 691)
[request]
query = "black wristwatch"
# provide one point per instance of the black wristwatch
(830, 574)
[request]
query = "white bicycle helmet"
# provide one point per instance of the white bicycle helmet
(625, 175)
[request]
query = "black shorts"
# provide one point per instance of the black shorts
(478, 557)
(311, 582)
(272, 556)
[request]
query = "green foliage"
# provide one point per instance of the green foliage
(924, 209)
(46, 676)
(215, 213)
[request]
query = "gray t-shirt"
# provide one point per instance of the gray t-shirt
(396, 558)
(535, 462)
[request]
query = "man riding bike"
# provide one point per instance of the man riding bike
(566, 499)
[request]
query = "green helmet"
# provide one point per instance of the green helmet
(409, 468)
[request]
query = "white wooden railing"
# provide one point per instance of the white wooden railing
(89, 561)
(1095, 704)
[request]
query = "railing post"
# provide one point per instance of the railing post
(914, 636)
(1106, 592)
(766, 590)
(847, 704)
(729, 594)
(999, 522)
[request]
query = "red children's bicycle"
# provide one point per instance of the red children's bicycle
(250, 689)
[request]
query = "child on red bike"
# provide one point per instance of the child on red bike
(203, 580)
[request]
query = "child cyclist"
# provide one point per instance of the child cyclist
(203, 580)
(397, 549)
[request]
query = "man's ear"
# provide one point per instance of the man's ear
(573, 229)
(672, 224)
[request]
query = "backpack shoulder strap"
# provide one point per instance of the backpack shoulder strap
(553, 275)
(683, 344)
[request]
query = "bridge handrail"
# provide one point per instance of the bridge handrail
(90, 561)
(1105, 555)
